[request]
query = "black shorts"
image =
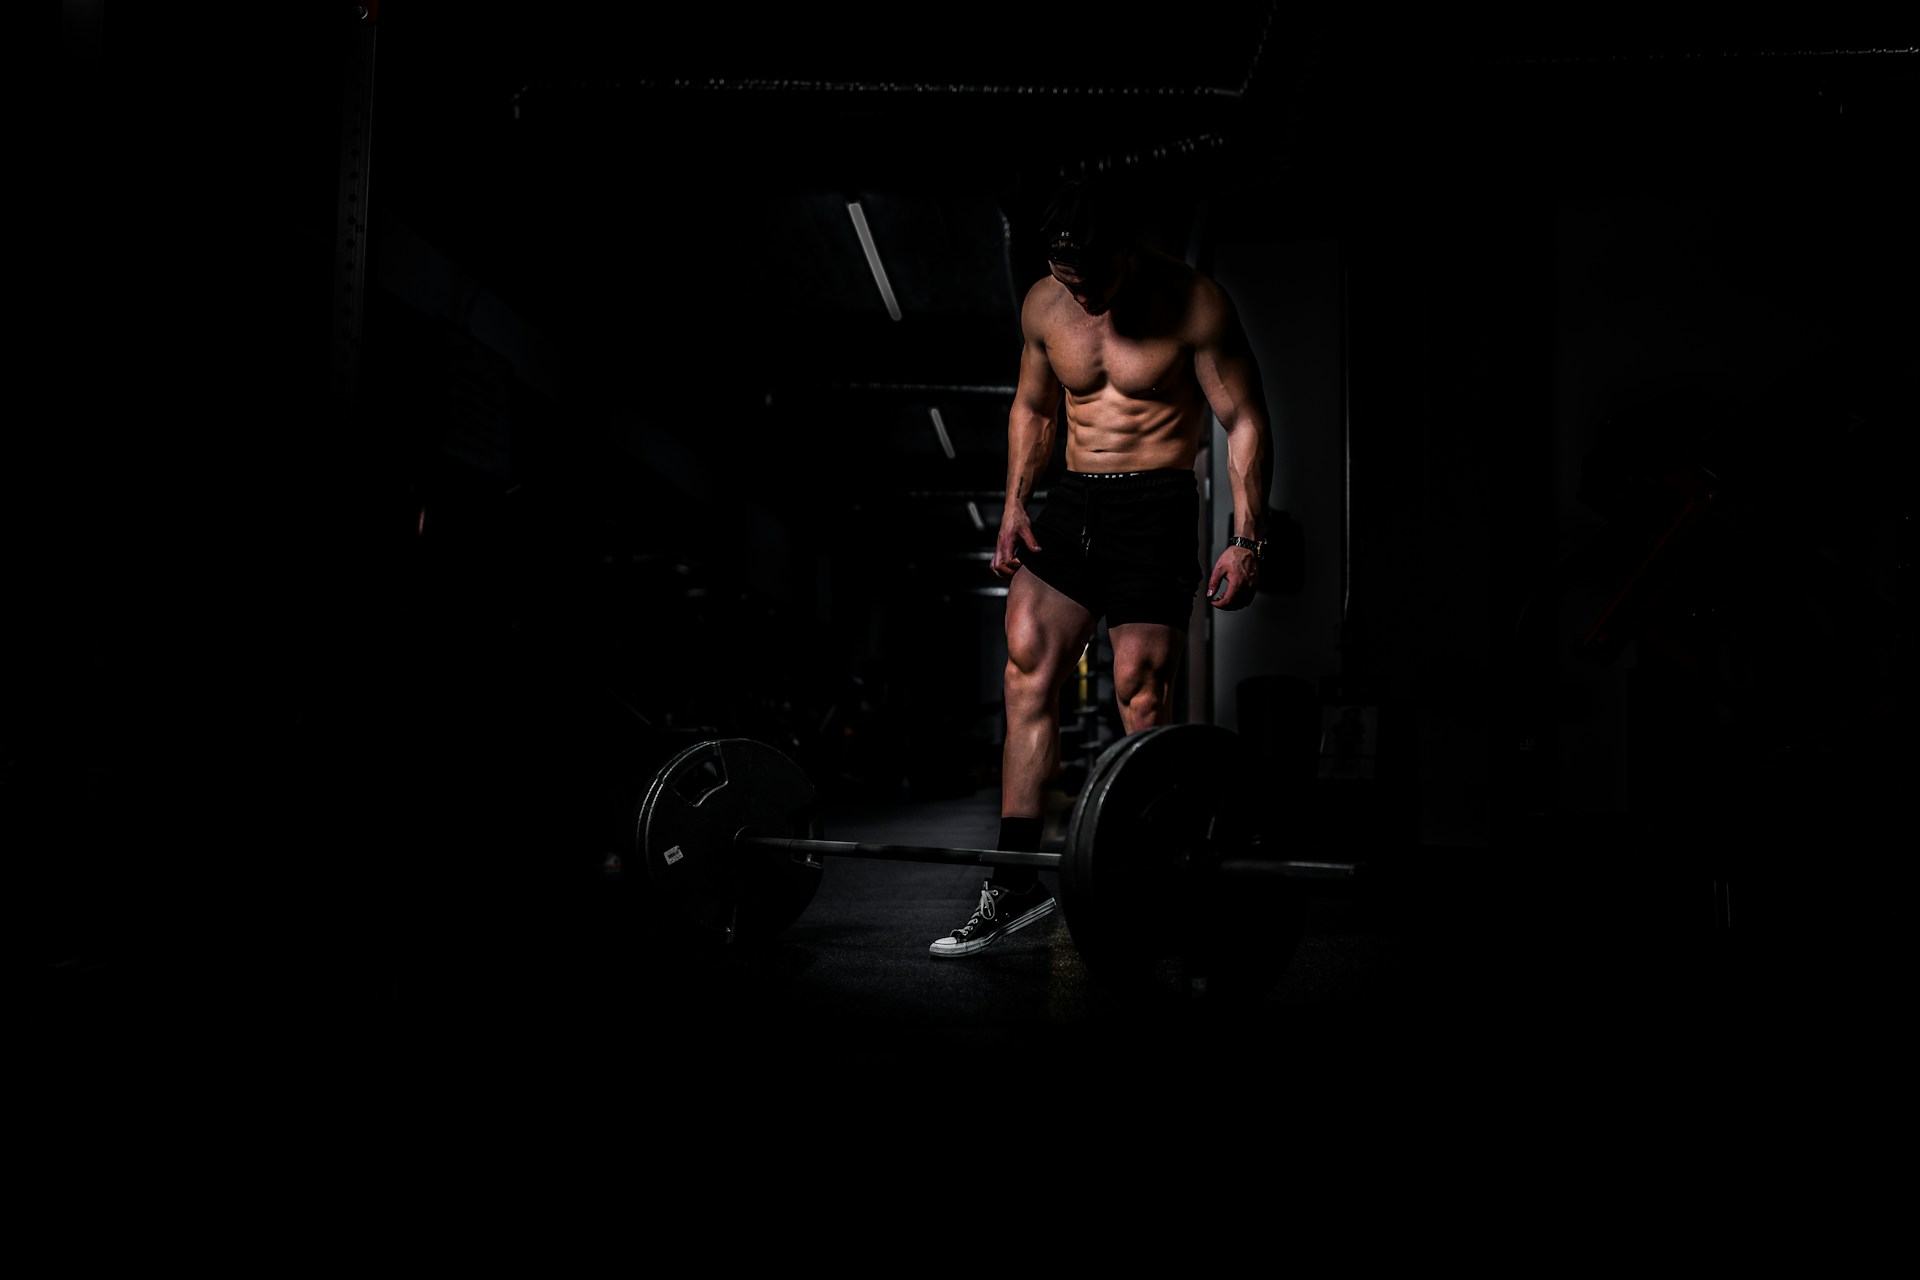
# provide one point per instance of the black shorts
(1123, 546)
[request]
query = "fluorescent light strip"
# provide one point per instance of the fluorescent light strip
(859, 217)
(973, 509)
(940, 428)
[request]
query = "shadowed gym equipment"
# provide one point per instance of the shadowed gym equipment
(1163, 823)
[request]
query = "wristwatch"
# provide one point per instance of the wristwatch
(1259, 548)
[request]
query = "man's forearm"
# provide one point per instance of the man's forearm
(1029, 449)
(1250, 476)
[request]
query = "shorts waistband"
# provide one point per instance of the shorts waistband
(1158, 478)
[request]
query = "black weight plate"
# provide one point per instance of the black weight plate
(1108, 878)
(684, 832)
(1136, 884)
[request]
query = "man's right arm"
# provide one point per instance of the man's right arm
(1031, 423)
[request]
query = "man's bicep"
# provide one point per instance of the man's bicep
(1223, 358)
(1038, 391)
(1231, 382)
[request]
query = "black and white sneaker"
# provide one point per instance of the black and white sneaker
(1000, 912)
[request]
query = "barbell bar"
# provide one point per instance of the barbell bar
(1229, 867)
(747, 841)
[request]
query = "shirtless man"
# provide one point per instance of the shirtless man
(1138, 347)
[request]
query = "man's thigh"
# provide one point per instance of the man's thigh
(1046, 629)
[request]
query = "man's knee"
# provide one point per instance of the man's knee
(1135, 676)
(1147, 699)
(1038, 666)
(1144, 691)
(1033, 679)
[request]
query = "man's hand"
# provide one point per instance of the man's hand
(1016, 533)
(1235, 574)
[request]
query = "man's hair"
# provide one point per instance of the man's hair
(1079, 224)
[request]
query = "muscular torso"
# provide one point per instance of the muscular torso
(1131, 400)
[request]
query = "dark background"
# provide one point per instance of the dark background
(623, 449)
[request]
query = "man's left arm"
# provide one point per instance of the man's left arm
(1230, 378)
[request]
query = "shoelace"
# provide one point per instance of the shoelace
(985, 909)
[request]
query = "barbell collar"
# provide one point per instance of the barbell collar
(895, 852)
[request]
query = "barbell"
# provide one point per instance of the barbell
(1166, 882)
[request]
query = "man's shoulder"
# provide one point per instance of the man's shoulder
(1040, 309)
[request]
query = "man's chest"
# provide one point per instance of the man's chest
(1088, 361)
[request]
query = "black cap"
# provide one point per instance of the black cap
(1072, 229)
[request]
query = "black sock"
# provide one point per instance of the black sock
(1018, 835)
